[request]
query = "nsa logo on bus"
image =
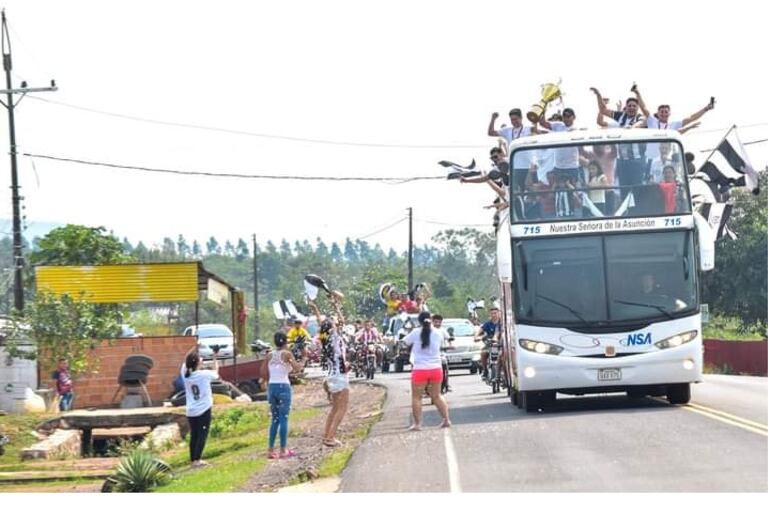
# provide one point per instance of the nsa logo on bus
(637, 339)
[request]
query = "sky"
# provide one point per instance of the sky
(392, 87)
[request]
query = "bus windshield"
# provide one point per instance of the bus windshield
(588, 181)
(603, 280)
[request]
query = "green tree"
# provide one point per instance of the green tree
(63, 327)
(182, 247)
(241, 250)
(79, 245)
(738, 284)
(212, 246)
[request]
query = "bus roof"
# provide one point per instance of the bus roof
(595, 136)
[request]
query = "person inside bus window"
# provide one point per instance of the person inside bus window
(565, 198)
(652, 291)
(539, 204)
(665, 158)
(596, 180)
(668, 188)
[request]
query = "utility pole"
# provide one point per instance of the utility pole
(256, 288)
(9, 91)
(410, 257)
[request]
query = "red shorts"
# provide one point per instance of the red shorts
(426, 376)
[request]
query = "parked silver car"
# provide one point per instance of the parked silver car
(465, 352)
(210, 335)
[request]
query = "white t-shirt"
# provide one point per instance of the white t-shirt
(653, 149)
(430, 357)
(198, 391)
(521, 160)
(653, 122)
(566, 158)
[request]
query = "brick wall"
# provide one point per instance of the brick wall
(97, 389)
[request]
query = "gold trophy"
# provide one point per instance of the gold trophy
(549, 93)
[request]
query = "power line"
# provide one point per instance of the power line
(745, 144)
(381, 229)
(442, 223)
(395, 179)
(304, 139)
(258, 134)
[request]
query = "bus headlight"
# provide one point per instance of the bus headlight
(540, 347)
(677, 340)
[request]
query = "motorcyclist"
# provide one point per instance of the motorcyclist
(298, 336)
(490, 331)
(437, 319)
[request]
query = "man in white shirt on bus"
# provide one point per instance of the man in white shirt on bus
(522, 160)
(567, 160)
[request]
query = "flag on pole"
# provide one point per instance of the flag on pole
(729, 166)
(717, 215)
(456, 171)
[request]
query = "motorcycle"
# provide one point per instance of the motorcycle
(371, 360)
(495, 378)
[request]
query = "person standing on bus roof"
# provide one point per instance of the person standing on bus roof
(567, 160)
(522, 160)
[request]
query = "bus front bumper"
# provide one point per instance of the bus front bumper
(536, 371)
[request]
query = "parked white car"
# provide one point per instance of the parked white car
(210, 335)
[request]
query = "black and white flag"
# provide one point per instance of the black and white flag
(285, 309)
(717, 215)
(729, 166)
(457, 171)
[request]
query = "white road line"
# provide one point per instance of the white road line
(451, 462)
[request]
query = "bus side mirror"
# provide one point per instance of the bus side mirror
(705, 242)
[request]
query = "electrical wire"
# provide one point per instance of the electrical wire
(744, 143)
(258, 134)
(393, 179)
(381, 230)
(442, 223)
(305, 139)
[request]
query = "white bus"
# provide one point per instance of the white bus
(600, 275)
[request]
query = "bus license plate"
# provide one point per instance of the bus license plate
(609, 375)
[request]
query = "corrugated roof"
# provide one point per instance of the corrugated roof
(123, 283)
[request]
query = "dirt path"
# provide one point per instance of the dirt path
(305, 436)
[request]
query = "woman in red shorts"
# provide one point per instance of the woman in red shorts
(426, 369)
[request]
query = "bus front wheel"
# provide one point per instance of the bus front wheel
(679, 393)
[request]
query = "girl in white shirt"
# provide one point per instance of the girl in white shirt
(426, 369)
(197, 386)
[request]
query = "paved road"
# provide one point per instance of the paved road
(595, 443)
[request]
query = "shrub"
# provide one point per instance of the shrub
(139, 471)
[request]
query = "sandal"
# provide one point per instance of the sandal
(288, 454)
(331, 443)
(446, 424)
(272, 455)
(414, 427)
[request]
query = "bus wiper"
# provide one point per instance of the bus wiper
(571, 310)
(657, 307)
